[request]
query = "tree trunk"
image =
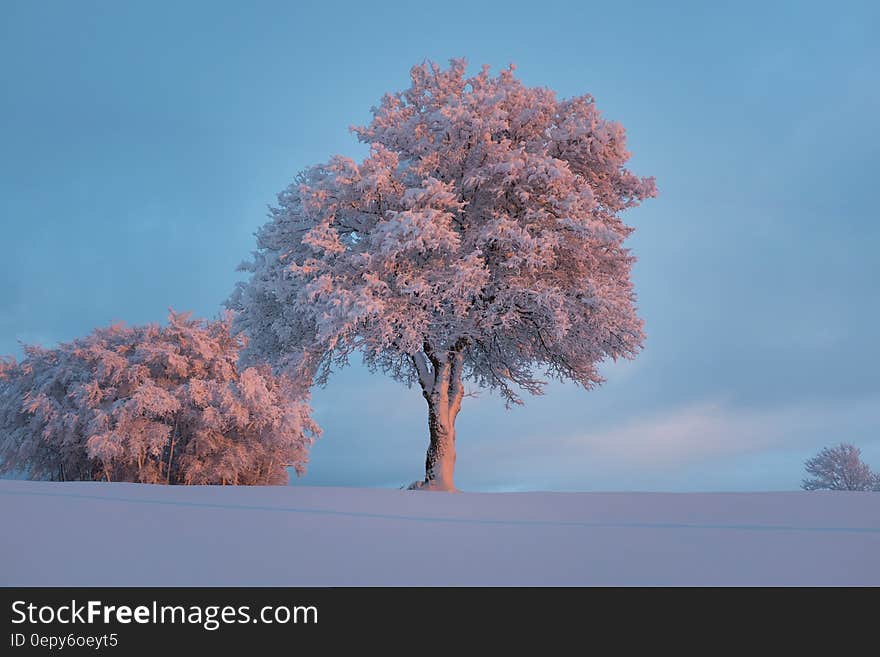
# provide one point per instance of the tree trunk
(443, 389)
(170, 458)
(171, 448)
(440, 461)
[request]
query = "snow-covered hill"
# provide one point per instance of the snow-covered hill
(128, 534)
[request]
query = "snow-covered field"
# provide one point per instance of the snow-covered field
(128, 534)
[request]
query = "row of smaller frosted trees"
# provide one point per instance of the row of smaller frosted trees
(151, 404)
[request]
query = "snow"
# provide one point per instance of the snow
(113, 534)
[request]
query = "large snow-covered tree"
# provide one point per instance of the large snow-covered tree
(480, 240)
(151, 404)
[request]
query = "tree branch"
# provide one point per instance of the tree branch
(426, 380)
(456, 384)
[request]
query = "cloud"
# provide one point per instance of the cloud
(713, 430)
(721, 443)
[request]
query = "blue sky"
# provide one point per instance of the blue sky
(141, 142)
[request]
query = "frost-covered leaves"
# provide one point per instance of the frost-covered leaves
(840, 468)
(151, 404)
(485, 219)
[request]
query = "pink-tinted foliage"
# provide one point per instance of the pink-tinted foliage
(480, 240)
(839, 468)
(151, 404)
